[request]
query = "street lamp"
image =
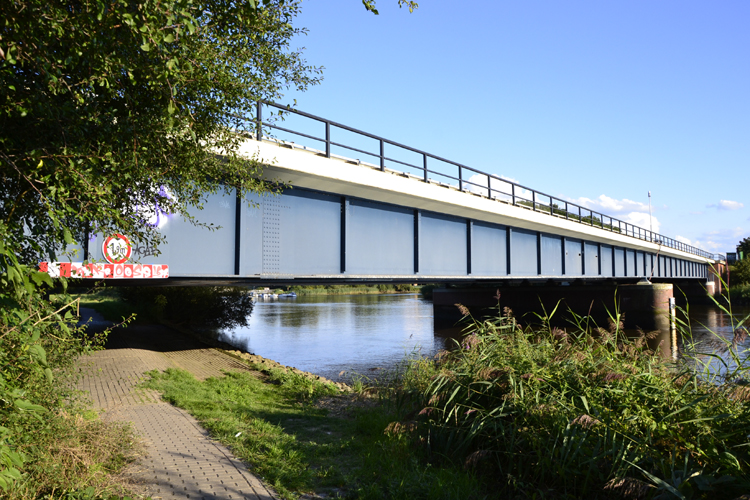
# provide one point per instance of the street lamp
(650, 222)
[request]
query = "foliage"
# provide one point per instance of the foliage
(198, 307)
(744, 247)
(739, 272)
(38, 346)
(740, 294)
(109, 107)
(110, 110)
(556, 413)
(410, 4)
(77, 456)
(350, 289)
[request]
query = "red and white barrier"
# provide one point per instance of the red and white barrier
(104, 271)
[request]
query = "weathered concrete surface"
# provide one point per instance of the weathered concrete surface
(182, 461)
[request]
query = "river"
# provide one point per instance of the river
(371, 334)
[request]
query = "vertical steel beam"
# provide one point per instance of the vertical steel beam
(328, 140)
(258, 121)
(583, 258)
(382, 155)
(237, 230)
(539, 253)
(85, 242)
(598, 259)
(469, 228)
(424, 167)
(417, 230)
(614, 264)
(564, 253)
(508, 247)
(344, 224)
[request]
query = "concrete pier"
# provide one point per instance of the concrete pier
(644, 305)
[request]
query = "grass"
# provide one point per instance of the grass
(303, 436)
(107, 302)
(76, 456)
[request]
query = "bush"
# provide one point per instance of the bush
(740, 273)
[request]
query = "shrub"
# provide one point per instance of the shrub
(740, 272)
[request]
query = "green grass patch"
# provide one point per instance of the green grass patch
(107, 302)
(279, 425)
(76, 456)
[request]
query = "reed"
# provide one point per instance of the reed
(585, 412)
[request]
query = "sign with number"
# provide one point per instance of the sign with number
(117, 249)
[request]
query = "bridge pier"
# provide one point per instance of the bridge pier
(644, 305)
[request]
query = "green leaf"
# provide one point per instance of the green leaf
(169, 38)
(40, 278)
(146, 47)
(39, 353)
(24, 405)
(67, 236)
(48, 375)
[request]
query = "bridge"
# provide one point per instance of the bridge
(362, 208)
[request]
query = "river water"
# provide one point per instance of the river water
(369, 334)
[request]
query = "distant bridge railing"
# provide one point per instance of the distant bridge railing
(459, 176)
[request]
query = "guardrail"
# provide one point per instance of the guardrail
(483, 183)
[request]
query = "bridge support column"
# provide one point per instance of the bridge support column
(645, 306)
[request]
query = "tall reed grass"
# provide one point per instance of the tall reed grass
(584, 412)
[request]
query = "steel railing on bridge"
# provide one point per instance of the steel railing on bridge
(459, 176)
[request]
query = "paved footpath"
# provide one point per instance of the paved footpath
(182, 461)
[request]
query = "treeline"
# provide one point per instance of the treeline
(353, 289)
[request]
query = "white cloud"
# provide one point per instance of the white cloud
(726, 205)
(641, 219)
(717, 241)
(632, 212)
(611, 206)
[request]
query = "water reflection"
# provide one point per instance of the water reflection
(328, 334)
(713, 336)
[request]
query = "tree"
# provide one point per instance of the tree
(110, 105)
(107, 106)
(744, 247)
(410, 4)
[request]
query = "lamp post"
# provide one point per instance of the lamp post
(650, 222)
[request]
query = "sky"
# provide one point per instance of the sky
(592, 102)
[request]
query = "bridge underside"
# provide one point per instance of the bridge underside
(309, 236)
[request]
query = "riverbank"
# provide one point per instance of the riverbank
(511, 414)
(301, 433)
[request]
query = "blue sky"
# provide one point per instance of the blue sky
(590, 101)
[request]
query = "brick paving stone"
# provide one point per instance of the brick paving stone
(182, 461)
